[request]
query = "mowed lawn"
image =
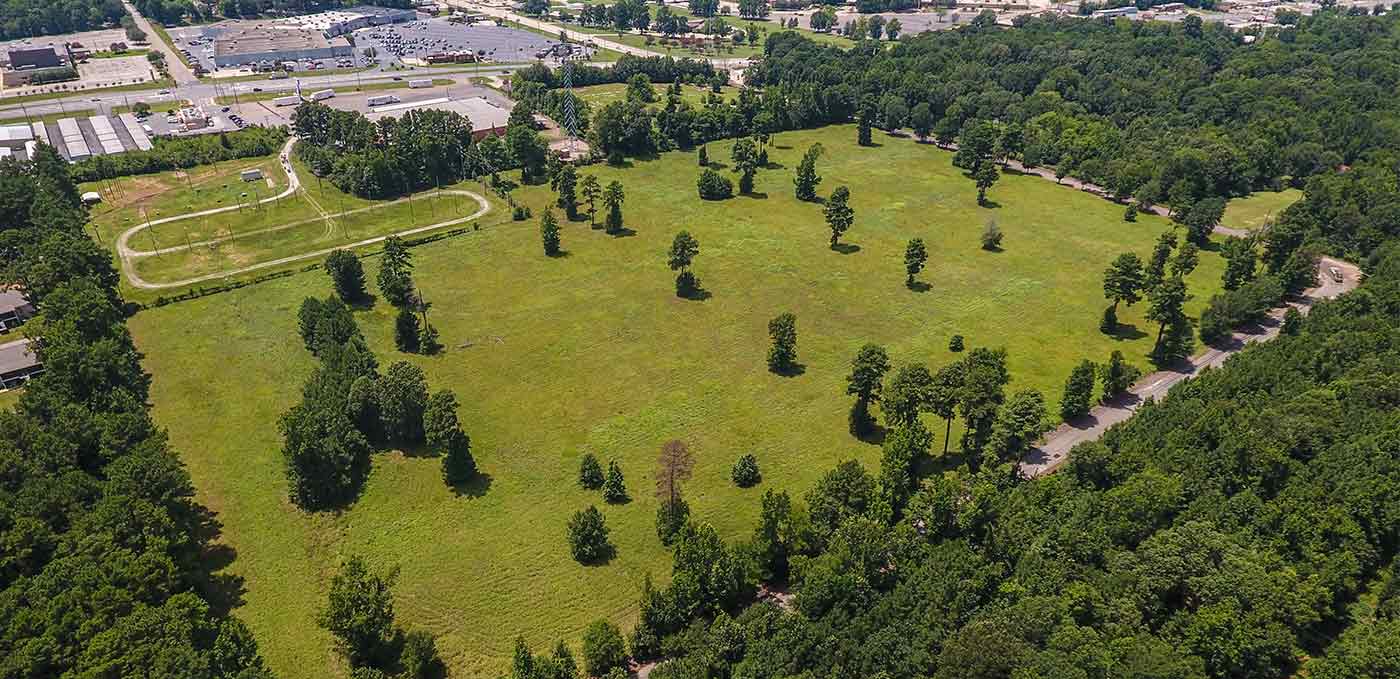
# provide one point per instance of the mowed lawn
(593, 352)
(1259, 208)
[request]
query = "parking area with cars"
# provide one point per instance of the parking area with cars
(430, 40)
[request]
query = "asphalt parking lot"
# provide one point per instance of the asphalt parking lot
(418, 39)
(200, 50)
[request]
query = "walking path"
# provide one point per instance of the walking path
(129, 255)
(1054, 448)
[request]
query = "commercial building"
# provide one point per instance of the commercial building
(17, 364)
(487, 118)
(251, 43)
(15, 309)
(14, 137)
(342, 21)
(26, 65)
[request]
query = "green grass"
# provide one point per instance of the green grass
(50, 117)
(1257, 209)
(9, 398)
(593, 352)
(80, 92)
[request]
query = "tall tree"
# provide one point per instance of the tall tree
(567, 183)
(549, 233)
(807, 178)
(1165, 304)
(864, 121)
(914, 257)
(1161, 253)
(614, 487)
(613, 198)
(396, 272)
(944, 394)
(985, 176)
(591, 192)
(908, 393)
(1122, 282)
(1118, 375)
(983, 390)
(347, 275)
(1240, 262)
(746, 160)
(867, 371)
(684, 248)
(1079, 390)
(839, 215)
(782, 354)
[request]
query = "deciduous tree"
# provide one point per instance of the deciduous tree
(839, 215)
(914, 257)
(1079, 390)
(782, 353)
(588, 536)
(868, 370)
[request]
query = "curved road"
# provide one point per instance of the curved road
(1053, 450)
(128, 255)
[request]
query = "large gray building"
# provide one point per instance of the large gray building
(255, 42)
(17, 364)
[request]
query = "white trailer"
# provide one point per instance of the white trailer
(322, 95)
(421, 83)
(292, 100)
(383, 99)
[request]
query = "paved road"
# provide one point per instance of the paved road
(178, 70)
(128, 254)
(1054, 449)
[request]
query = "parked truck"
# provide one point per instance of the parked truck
(421, 83)
(292, 100)
(322, 95)
(382, 99)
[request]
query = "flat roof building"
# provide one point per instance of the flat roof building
(15, 136)
(262, 41)
(342, 21)
(486, 117)
(34, 57)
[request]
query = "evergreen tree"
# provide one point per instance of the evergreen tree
(1161, 253)
(458, 465)
(359, 611)
(567, 182)
(396, 272)
(614, 488)
(549, 233)
(590, 473)
(613, 198)
(406, 336)
(955, 343)
(704, 156)
(588, 536)
(1118, 375)
(807, 178)
(347, 275)
(864, 121)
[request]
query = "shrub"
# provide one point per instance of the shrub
(955, 343)
(347, 276)
(590, 473)
(714, 186)
(588, 536)
(991, 236)
(670, 519)
(614, 489)
(745, 471)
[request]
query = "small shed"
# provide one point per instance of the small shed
(251, 175)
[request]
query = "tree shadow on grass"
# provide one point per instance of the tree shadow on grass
(756, 195)
(991, 205)
(223, 591)
(774, 166)
(846, 248)
(475, 487)
(919, 286)
(872, 145)
(562, 254)
(603, 559)
(696, 295)
(717, 166)
(364, 303)
(623, 232)
(795, 370)
(875, 435)
(1127, 332)
(996, 249)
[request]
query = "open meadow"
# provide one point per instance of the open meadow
(1259, 208)
(592, 351)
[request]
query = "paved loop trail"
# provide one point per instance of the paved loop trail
(129, 255)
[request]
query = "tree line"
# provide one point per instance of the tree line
(170, 153)
(1163, 113)
(388, 157)
(107, 565)
(31, 18)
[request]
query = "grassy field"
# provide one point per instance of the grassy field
(370, 87)
(1254, 210)
(9, 398)
(593, 352)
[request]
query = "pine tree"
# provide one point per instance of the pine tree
(807, 178)
(549, 233)
(590, 473)
(395, 272)
(614, 488)
(406, 330)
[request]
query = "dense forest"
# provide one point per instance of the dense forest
(30, 18)
(1166, 113)
(170, 153)
(105, 569)
(387, 157)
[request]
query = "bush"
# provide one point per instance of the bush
(590, 473)
(603, 649)
(714, 186)
(520, 213)
(991, 236)
(1249, 303)
(588, 536)
(745, 471)
(955, 343)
